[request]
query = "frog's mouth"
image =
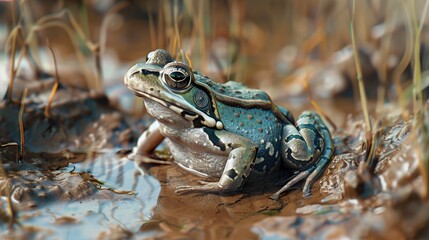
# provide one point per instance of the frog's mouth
(153, 91)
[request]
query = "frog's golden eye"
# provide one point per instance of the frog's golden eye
(177, 76)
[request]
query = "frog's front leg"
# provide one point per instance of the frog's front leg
(241, 157)
(146, 144)
(308, 148)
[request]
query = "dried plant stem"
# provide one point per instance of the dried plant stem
(12, 65)
(21, 124)
(176, 26)
(54, 89)
(419, 117)
(188, 59)
(55, 17)
(202, 5)
(72, 30)
(315, 39)
(364, 103)
(424, 153)
(85, 68)
(417, 89)
(316, 105)
(98, 52)
(403, 63)
(385, 47)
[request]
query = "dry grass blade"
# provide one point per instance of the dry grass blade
(420, 120)
(424, 152)
(188, 59)
(364, 102)
(316, 106)
(75, 26)
(202, 5)
(176, 25)
(12, 64)
(385, 50)
(403, 63)
(21, 124)
(54, 89)
(103, 39)
(57, 23)
(417, 93)
(73, 31)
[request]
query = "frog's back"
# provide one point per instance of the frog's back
(262, 127)
(250, 113)
(233, 90)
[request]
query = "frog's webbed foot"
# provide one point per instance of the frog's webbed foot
(147, 159)
(205, 187)
(297, 178)
(150, 160)
(307, 144)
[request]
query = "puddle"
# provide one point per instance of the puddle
(123, 198)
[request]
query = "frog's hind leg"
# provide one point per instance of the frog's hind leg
(328, 152)
(308, 148)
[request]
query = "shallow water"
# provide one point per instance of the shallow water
(121, 197)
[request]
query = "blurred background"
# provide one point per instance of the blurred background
(275, 45)
(65, 112)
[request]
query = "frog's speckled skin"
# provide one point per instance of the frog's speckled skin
(224, 130)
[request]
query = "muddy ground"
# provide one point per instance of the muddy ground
(75, 177)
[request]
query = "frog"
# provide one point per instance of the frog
(227, 132)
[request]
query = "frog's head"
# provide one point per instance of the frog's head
(172, 86)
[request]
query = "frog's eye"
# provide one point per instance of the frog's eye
(177, 76)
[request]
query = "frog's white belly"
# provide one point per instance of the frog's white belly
(198, 161)
(193, 150)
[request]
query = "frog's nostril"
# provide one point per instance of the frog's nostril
(132, 73)
(149, 72)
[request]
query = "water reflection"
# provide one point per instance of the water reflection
(126, 199)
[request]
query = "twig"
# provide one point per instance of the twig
(417, 93)
(316, 106)
(419, 117)
(21, 124)
(54, 89)
(364, 103)
(404, 62)
(12, 65)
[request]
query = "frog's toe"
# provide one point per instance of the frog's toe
(275, 196)
(306, 193)
(131, 156)
(205, 182)
(206, 187)
(148, 159)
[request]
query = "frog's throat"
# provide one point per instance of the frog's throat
(187, 114)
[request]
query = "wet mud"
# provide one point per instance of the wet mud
(77, 178)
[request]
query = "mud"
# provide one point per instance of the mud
(75, 180)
